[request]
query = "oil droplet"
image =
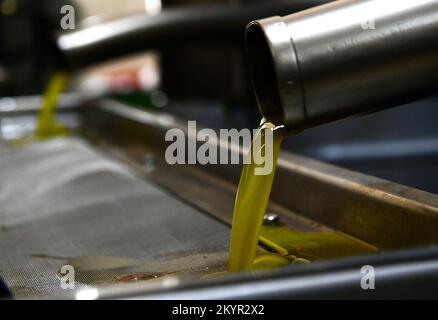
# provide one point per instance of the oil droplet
(264, 261)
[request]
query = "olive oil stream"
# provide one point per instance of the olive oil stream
(251, 202)
(290, 246)
(48, 126)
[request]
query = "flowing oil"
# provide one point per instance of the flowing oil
(252, 200)
(48, 126)
(285, 246)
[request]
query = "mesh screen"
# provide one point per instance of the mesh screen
(62, 202)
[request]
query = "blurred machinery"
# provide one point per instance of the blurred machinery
(27, 51)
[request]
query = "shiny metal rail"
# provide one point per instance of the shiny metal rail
(307, 194)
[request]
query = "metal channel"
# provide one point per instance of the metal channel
(307, 194)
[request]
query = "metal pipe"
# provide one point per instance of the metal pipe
(343, 59)
(169, 29)
(414, 270)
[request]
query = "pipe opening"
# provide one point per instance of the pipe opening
(263, 73)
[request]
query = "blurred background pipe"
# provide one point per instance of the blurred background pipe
(215, 24)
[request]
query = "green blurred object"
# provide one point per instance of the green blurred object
(138, 99)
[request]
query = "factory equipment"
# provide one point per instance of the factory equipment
(104, 201)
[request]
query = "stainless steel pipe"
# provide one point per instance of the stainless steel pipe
(342, 59)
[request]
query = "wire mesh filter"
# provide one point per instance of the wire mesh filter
(63, 203)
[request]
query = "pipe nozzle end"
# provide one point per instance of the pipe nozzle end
(274, 71)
